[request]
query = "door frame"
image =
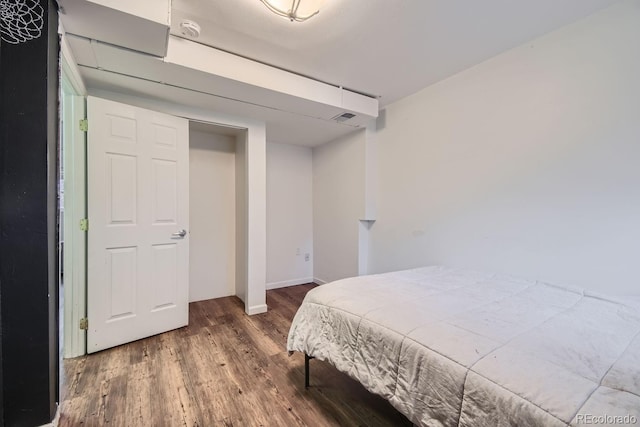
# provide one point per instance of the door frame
(251, 225)
(73, 140)
(250, 276)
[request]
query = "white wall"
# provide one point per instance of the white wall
(338, 205)
(528, 163)
(256, 203)
(212, 199)
(289, 215)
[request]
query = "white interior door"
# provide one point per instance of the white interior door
(138, 241)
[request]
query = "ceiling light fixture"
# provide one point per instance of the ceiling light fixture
(294, 10)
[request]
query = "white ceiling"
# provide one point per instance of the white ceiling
(383, 48)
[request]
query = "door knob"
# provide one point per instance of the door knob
(180, 233)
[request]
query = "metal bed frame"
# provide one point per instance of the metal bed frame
(306, 369)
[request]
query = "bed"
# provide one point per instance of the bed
(451, 347)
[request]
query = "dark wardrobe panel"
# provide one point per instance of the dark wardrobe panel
(28, 214)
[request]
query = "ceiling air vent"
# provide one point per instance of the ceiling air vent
(343, 117)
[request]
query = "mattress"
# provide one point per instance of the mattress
(450, 347)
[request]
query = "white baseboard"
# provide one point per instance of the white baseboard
(319, 281)
(286, 283)
(257, 309)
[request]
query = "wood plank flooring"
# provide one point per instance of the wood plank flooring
(224, 369)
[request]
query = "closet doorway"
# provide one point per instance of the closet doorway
(217, 210)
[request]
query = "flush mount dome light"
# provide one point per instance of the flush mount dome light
(294, 10)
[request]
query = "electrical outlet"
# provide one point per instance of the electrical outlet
(297, 251)
(306, 257)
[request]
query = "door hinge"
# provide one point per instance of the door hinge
(84, 323)
(84, 125)
(84, 224)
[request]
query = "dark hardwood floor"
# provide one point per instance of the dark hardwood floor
(224, 369)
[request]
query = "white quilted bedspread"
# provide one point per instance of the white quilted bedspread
(450, 347)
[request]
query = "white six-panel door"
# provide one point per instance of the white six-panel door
(138, 204)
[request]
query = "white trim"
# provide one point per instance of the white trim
(257, 309)
(73, 140)
(292, 282)
(318, 281)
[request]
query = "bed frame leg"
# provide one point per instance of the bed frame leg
(306, 369)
